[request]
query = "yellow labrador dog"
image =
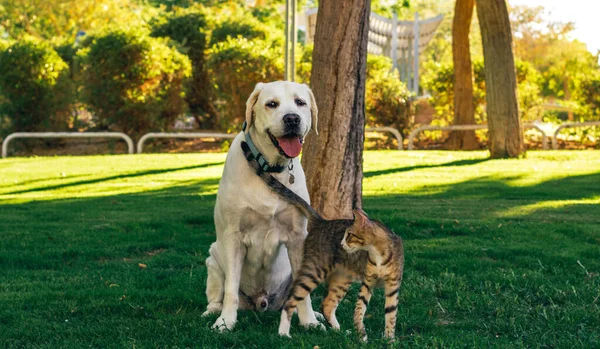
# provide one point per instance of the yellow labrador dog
(259, 236)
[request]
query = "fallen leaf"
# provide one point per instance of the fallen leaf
(113, 285)
(142, 265)
(500, 225)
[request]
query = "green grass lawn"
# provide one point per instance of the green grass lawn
(499, 253)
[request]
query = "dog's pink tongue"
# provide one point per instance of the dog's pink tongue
(291, 146)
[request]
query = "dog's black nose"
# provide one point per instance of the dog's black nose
(291, 119)
(263, 304)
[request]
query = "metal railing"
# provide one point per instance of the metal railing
(12, 136)
(570, 125)
(420, 129)
(140, 145)
(395, 132)
(388, 129)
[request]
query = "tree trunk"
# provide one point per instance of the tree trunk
(464, 113)
(333, 159)
(505, 131)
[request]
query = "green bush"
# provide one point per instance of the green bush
(35, 88)
(188, 27)
(235, 66)
(233, 20)
(132, 82)
(589, 97)
(386, 97)
(439, 81)
(304, 63)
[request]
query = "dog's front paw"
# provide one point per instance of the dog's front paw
(319, 316)
(225, 322)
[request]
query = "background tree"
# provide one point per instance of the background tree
(52, 20)
(505, 131)
(464, 113)
(333, 160)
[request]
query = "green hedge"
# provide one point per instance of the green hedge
(36, 92)
(386, 97)
(132, 82)
(189, 29)
(235, 66)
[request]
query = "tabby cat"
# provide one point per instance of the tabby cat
(340, 252)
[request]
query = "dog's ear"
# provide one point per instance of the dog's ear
(314, 112)
(250, 105)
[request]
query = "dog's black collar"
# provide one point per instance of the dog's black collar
(258, 156)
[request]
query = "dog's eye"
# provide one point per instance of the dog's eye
(272, 104)
(299, 102)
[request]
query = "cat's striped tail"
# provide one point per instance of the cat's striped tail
(284, 192)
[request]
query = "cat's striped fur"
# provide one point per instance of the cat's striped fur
(340, 252)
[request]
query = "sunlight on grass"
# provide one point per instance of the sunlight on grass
(93, 176)
(492, 251)
(526, 210)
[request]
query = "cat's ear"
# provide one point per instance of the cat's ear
(360, 217)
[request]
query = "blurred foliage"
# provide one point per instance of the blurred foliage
(235, 66)
(386, 97)
(589, 96)
(439, 80)
(188, 28)
(143, 63)
(35, 87)
(50, 20)
(132, 82)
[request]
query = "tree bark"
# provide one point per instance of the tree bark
(464, 111)
(333, 159)
(505, 130)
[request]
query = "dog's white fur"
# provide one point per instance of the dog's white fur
(259, 236)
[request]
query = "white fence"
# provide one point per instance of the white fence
(65, 135)
(390, 130)
(393, 131)
(140, 145)
(570, 125)
(420, 129)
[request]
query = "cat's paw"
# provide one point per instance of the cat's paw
(334, 323)
(312, 322)
(284, 325)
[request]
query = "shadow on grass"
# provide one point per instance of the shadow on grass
(83, 256)
(192, 202)
(110, 178)
(467, 162)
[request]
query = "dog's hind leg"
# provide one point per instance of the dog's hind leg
(215, 283)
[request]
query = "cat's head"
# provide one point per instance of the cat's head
(361, 234)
